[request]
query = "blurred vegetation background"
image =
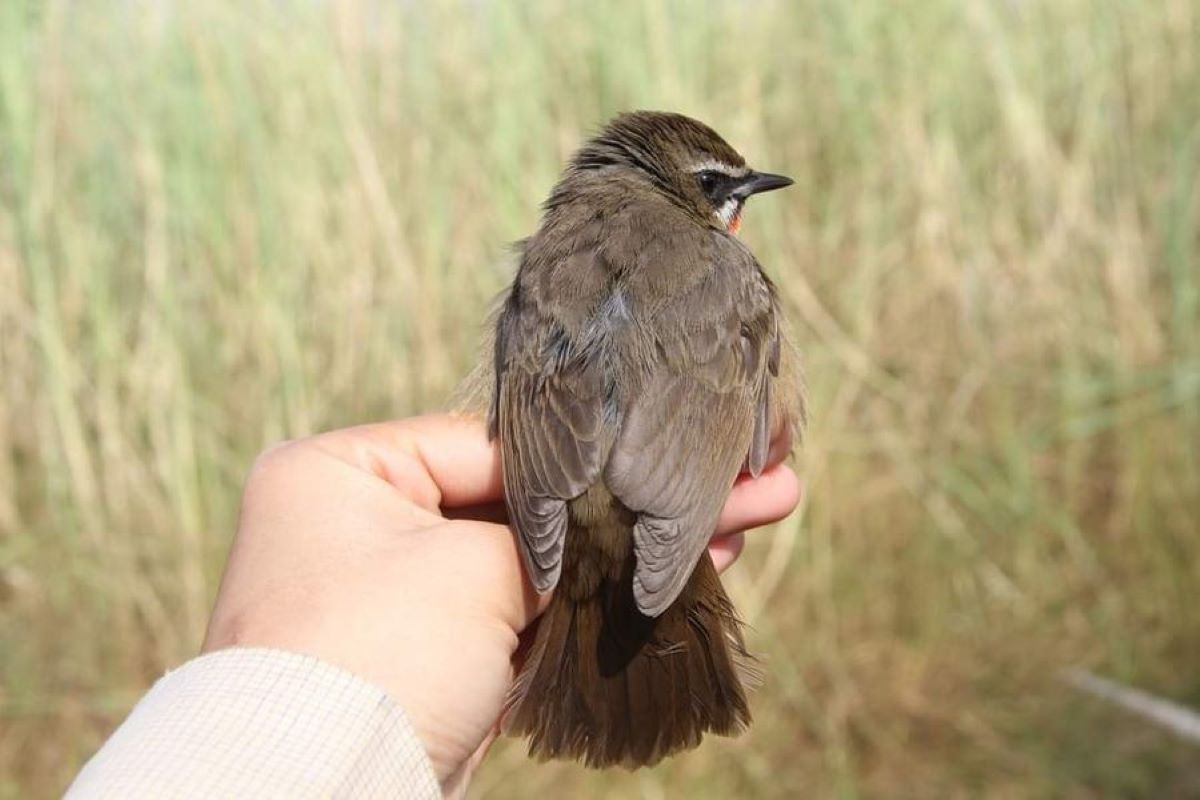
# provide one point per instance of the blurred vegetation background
(226, 223)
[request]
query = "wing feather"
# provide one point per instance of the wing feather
(549, 417)
(704, 411)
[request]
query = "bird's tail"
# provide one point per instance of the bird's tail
(606, 685)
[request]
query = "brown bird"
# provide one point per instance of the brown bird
(637, 364)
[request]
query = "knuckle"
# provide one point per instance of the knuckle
(274, 458)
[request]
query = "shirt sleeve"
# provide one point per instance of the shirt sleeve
(260, 723)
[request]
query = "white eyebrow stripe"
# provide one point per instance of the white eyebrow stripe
(711, 165)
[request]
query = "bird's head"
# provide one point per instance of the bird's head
(682, 158)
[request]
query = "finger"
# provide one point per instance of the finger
(780, 446)
(726, 549)
(446, 462)
(437, 461)
(781, 443)
(759, 501)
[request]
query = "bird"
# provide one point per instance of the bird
(640, 363)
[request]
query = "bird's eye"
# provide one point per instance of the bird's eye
(708, 181)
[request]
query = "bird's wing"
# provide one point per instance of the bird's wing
(705, 410)
(549, 415)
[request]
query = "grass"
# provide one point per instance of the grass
(226, 223)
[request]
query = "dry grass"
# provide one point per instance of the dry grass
(226, 223)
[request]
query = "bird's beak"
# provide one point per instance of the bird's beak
(756, 182)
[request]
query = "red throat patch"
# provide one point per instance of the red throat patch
(735, 224)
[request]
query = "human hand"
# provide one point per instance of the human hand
(381, 549)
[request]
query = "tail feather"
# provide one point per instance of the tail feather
(606, 685)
